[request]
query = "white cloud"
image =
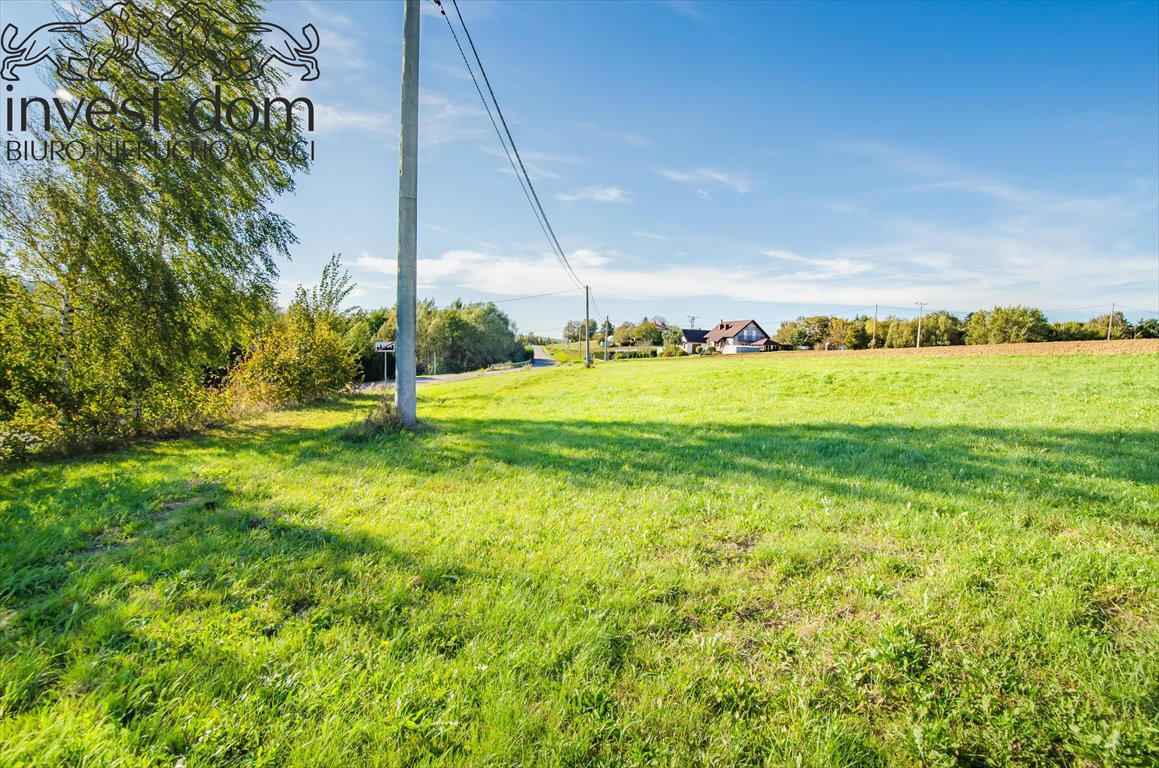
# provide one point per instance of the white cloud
(376, 264)
(536, 163)
(1031, 245)
(587, 258)
(822, 268)
(347, 52)
(443, 120)
(741, 184)
(948, 269)
(997, 190)
(597, 194)
(324, 14)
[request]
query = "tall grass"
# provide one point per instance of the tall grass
(741, 561)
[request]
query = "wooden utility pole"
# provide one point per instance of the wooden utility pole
(607, 332)
(587, 326)
(874, 345)
(1110, 321)
(405, 363)
(921, 308)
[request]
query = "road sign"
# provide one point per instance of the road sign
(384, 346)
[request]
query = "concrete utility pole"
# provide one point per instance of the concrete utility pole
(874, 326)
(1110, 321)
(607, 332)
(405, 363)
(921, 308)
(587, 326)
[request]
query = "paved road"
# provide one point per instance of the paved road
(540, 360)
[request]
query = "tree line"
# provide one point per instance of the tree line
(138, 293)
(126, 284)
(1000, 325)
(452, 339)
(308, 351)
(648, 332)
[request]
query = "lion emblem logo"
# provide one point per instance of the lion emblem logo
(119, 35)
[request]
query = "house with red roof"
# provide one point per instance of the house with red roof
(740, 336)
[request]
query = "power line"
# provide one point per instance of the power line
(1139, 309)
(594, 302)
(536, 296)
(529, 190)
(1076, 309)
(503, 142)
(848, 311)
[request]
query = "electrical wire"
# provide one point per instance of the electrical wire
(511, 141)
(595, 304)
(1076, 309)
(508, 145)
(536, 296)
(1139, 309)
(498, 133)
(847, 311)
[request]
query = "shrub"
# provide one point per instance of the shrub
(381, 420)
(297, 362)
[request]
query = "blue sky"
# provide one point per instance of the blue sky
(745, 160)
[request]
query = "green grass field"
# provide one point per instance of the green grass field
(728, 561)
(568, 353)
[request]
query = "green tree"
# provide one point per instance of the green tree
(151, 267)
(624, 335)
(785, 331)
(463, 337)
(304, 357)
(648, 333)
(856, 337)
(1007, 325)
(977, 329)
(836, 332)
(902, 333)
(1075, 331)
(389, 328)
(359, 339)
(673, 342)
(941, 329)
(1121, 328)
(1147, 329)
(326, 298)
(804, 331)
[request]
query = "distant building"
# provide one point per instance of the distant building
(739, 336)
(693, 340)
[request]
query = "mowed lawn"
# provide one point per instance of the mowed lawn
(774, 560)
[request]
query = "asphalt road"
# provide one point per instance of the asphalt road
(539, 360)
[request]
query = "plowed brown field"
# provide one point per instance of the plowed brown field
(1115, 347)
